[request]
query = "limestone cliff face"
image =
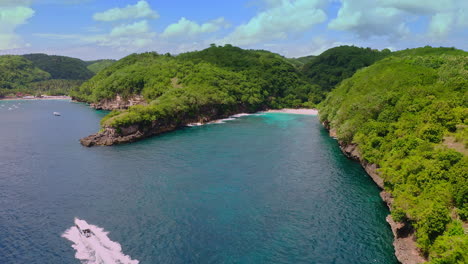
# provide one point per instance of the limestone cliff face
(404, 243)
(118, 103)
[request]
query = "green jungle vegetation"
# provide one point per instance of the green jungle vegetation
(61, 67)
(408, 114)
(37, 74)
(336, 64)
(221, 79)
(99, 65)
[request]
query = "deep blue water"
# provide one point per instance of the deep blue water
(271, 188)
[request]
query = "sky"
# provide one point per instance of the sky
(100, 29)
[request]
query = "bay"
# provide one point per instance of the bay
(270, 188)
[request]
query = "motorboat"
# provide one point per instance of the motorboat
(83, 227)
(56, 114)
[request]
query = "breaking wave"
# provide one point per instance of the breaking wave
(97, 248)
(220, 121)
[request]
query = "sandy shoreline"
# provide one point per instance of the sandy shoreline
(32, 99)
(301, 111)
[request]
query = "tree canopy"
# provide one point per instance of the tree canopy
(61, 67)
(400, 112)
(336, 64)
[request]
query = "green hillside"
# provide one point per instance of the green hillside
(408, 114)
(16, 72)
(336, 64)
(99, 65)
(41, 74)
(237, 77)
(61, 67)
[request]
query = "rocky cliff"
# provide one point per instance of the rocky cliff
(118, 103)
(404, 243)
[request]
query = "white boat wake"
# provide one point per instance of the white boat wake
(96, 248)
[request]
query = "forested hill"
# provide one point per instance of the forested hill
(16, 72)
(61, 67)
(196, 87)
(99, 65)
(44, 74)
(254, 79)
(408, 114)
(336, 64)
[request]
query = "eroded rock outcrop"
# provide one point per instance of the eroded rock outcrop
(112, 136)
(119, 103)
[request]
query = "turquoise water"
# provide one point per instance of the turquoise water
(271, 188)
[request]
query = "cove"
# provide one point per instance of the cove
(271, 188)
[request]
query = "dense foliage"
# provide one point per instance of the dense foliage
(16, 72)
(400, 112)
(221, 79)
(99, 65)
(61, 67)
(336, 64)
(40, 74)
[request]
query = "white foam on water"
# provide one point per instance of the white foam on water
(222, 121)
(98, 248)
(240, 115)
(195, 124)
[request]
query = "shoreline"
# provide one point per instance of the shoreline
(404, 240)
(37, 98)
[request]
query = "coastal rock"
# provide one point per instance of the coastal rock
(119, 103)
(406, 250)
(111, 136)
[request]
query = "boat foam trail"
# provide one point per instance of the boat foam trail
(98, 248)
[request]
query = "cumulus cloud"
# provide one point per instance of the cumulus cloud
(187, 28)
(140, 10)
(278, 21)
(12, 16)
(126, 37)
(391, 18)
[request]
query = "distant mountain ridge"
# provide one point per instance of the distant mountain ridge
(42, 73)
(61, 67)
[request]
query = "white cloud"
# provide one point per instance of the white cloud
(391, 18)
(140, 10)
(11, 17)
(126, 37)
(314, 46)
(441, 24)
(282, 18)
(187, 28)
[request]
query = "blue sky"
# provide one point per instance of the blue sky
(93, 29)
